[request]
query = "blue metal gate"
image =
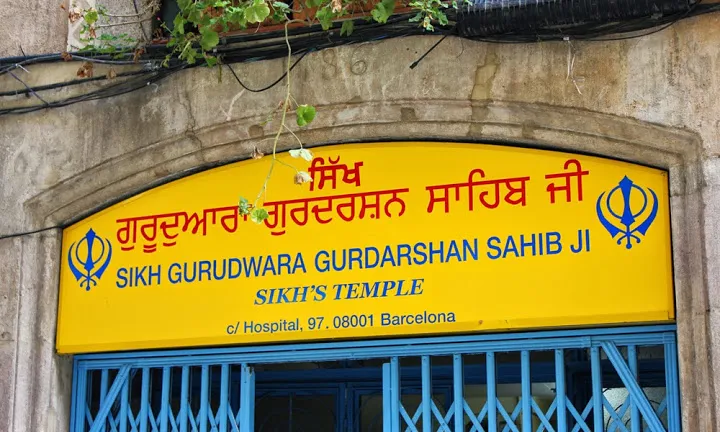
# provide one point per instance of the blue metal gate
(599, 379)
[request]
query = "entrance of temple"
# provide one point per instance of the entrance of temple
(622, 379)
(478, 288)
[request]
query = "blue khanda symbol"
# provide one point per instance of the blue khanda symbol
(89, 268)
(628, 223)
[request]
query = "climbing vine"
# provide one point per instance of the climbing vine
(195, 33)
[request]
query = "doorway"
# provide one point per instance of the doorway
(622, 379)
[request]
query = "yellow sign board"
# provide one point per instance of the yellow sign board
(388, 239)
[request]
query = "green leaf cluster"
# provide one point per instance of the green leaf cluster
(305, 114)
(430, 11)
(196, 29)
(383, 10)
(258, 215)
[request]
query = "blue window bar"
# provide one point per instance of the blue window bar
(619, 379)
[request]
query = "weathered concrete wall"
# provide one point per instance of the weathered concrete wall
(653, 100)
(42, 26)
(32, 27)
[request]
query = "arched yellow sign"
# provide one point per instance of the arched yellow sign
(388, 239)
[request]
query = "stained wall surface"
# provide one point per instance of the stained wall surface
(653, 100)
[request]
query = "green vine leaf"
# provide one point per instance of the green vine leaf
(91, 16)
(257, 12)
(280, 6)
(209, 39)
(237, 16)
(347, 28)
(325, 16)
(383, 10)
(244, 207)
(442, 18)
(302, 153)
(179, 24)
(258, 215)
(211, 60)
(313, 3)
(305, 115)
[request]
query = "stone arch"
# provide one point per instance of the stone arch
(537, 125)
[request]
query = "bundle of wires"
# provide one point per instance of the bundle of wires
(272, 45)
(232, 49)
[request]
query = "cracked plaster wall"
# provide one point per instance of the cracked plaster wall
(653, 100)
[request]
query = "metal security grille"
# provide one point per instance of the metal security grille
(623, 379)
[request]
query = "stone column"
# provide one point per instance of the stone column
(34, 380)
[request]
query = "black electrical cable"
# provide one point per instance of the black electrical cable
(120, 88)
(70, 83)
(276, 82)
(26, 233)
(653, 31)
(59, 57)
(641, 27)
(315, 41)
(417, 62)
(30, 89)
(272, 45)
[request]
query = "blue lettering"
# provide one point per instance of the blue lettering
(321, 261)
(282, 295)
(260, 297)
(122, 275)
(387, 257)
(524, 244)
(215, 270)
(355, 256)
(370, 290)
(320, 293)
(334, 261)
(419, 250)
(400, 291)
(252, 266)
(453, 252)
(438, 252)
(299, 263)
(303, 296)
(139, 277)
(387, 286)
(352, 291)
(470, 249)
(174, 273)
(151, 275)
(587, 240)
(376, 258)
(338, 290)
(204, 269)
(269, 266)
(417, 287)
(553, 245)
(185, 272)
(236, 274)
(403, 251)
(283, 261)
(510, 247)
(553, 239)
(493, 243)
(271, 295)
